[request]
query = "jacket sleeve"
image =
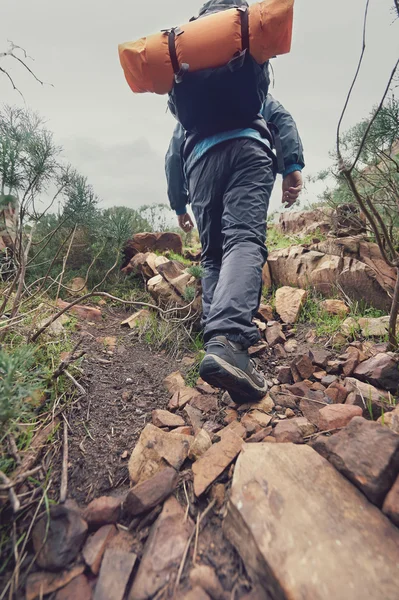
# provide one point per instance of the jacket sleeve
(177, 190)
(291, 143)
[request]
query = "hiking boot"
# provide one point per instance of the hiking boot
(227, 365)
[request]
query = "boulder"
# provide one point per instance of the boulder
(367, 454)
(303, 531)
(163, 292)
(289, 301)
(382, 370)
(152, 242)
(373, 401)
(57, 539)
(156, 449)
(163, 551)
(305, 222)
(374, 327)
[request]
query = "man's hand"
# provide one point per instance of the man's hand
(292, 186)
(185, 222)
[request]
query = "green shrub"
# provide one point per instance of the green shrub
(196, 271)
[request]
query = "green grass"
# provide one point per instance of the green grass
(196, 271)
(276, 240)
(179, 258)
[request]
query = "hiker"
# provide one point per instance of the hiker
(228, 177)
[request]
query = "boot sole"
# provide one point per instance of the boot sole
(219, 373)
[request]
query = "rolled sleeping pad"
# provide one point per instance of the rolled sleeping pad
(151, 63)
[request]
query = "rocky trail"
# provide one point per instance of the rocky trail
(174, 491)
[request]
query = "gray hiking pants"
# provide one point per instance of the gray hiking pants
(229, 190)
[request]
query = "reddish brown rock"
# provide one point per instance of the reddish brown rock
(187, 430)
(279, 351)
(320, 357)
(274, 333)
(182, 397)
(218, 493)
(57, 541)
(164, 418)
(329, 380)
(150, 493)
(230, 415)
(95, 545)
(174, 382)
(215, 461)
(250, 424)
(319, 375)
(204, 387)
(391, 503)
(304, 366)
(235, 427)
(335, 307)
(152, 242)
(265, 311)
(260, 417)
(337, 392)
(310, 410)
(368, 455)
(335, 416)
(78, 589)
(163, 551)
(136, 318)
(391, 419)
(41, 583)
(205, 403)
(259, 436)
(195, 416)
(156, 449)
(382, 370)
(352, 359)
(284, 374)
(103, 511)
(86, 313)
(287, 431)
(289, 301)
(116, 568)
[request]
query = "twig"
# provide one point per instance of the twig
(20, 479)
(71, 358)
(187, 500)
(76, 383)
(302, 398)
(15, 503)
(312, 435)
(196, 541)
(64, 475)
(12, 448)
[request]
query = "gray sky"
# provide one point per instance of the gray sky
(119, 139)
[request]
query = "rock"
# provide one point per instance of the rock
(57, 542)
(260, 417)
(274, 334)
(182, 397)
(136, 318)
(195, 416)
(319, 375)
(285, 400)
(152, 242)
(218, 493)
(291, 345)
(250, 424)
(163, 292)
(234, 427)
(318, 387)
(280, 539)
(116, 568)
(164, 418)
(279, 351)
(265, 311)
(148, 494)
(187, 430)
(391, 503)
(382, 370)
(201, 443)
(311, 410)
(287, 431)
(103, 511)
(266, 277)
(391, 419)
(371, 400)
(334, 307)
(41, 583)
(215, 461)
(95, 546)
(205, 388)
(337, 392)
(259, 436)
(174, 382)
(206, 578)
(78, 589)
(304, 366)
(349, 327)
(155, 450)
(289, 413)
(259, 348)
(230, 415)
(86, 313)
(374, 327)
(306, 428)
(259, 324)
(329, 380)
(368, 455)
(196, 593)
(351, 361)
(335, 416)
(284, 374)
(305, 222)
(289, 301)
(320, 357)
(163, 550)
(170, 270)
(266, 405)
(205, 403)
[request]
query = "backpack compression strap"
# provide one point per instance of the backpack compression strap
(175, 31)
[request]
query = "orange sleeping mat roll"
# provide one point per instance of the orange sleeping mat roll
(206, 43)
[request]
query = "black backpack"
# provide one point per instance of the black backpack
(221, 99)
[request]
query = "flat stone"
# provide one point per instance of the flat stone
(311, 410)
(164, 418)
(328, 380)
(235, 427)
(368, 455)
(150, 493)
(156, 449)
(103, 511)
(116, 568)
(335, 307)
(136, 318)
(259, 436)
(306, 427)
(304, 532)
(289, 302)
(319, 375)
(257, 349)
(265, 405)
(335, 416)
(250, 424)
(41, 583)
(182, 397)
(78, 589)
(195, 417)
(204, 387)
(265, 311)
(261, 325)
(215, 461)
(196, 593)
(95, 546)
(279, 351)
(260, 417)
(201, 443)
(163, 551)
(58, 541)
(351, 362)
(291, 345)
(320, 357)
(186, 430)
(374, 327)
(274, 334)
(288, 431)
(391, 503)
(174, 382)
(205, 403)
(382, 370)
(304, 366)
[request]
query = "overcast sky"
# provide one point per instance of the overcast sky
(119, 139)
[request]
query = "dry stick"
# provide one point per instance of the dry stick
(20, 479)
(64, 262)
(308, 437)
(186, 549)
(13, 498)
(303, 398)
(64, 475)
(13, 450)
(196, 541)
(76, 383)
